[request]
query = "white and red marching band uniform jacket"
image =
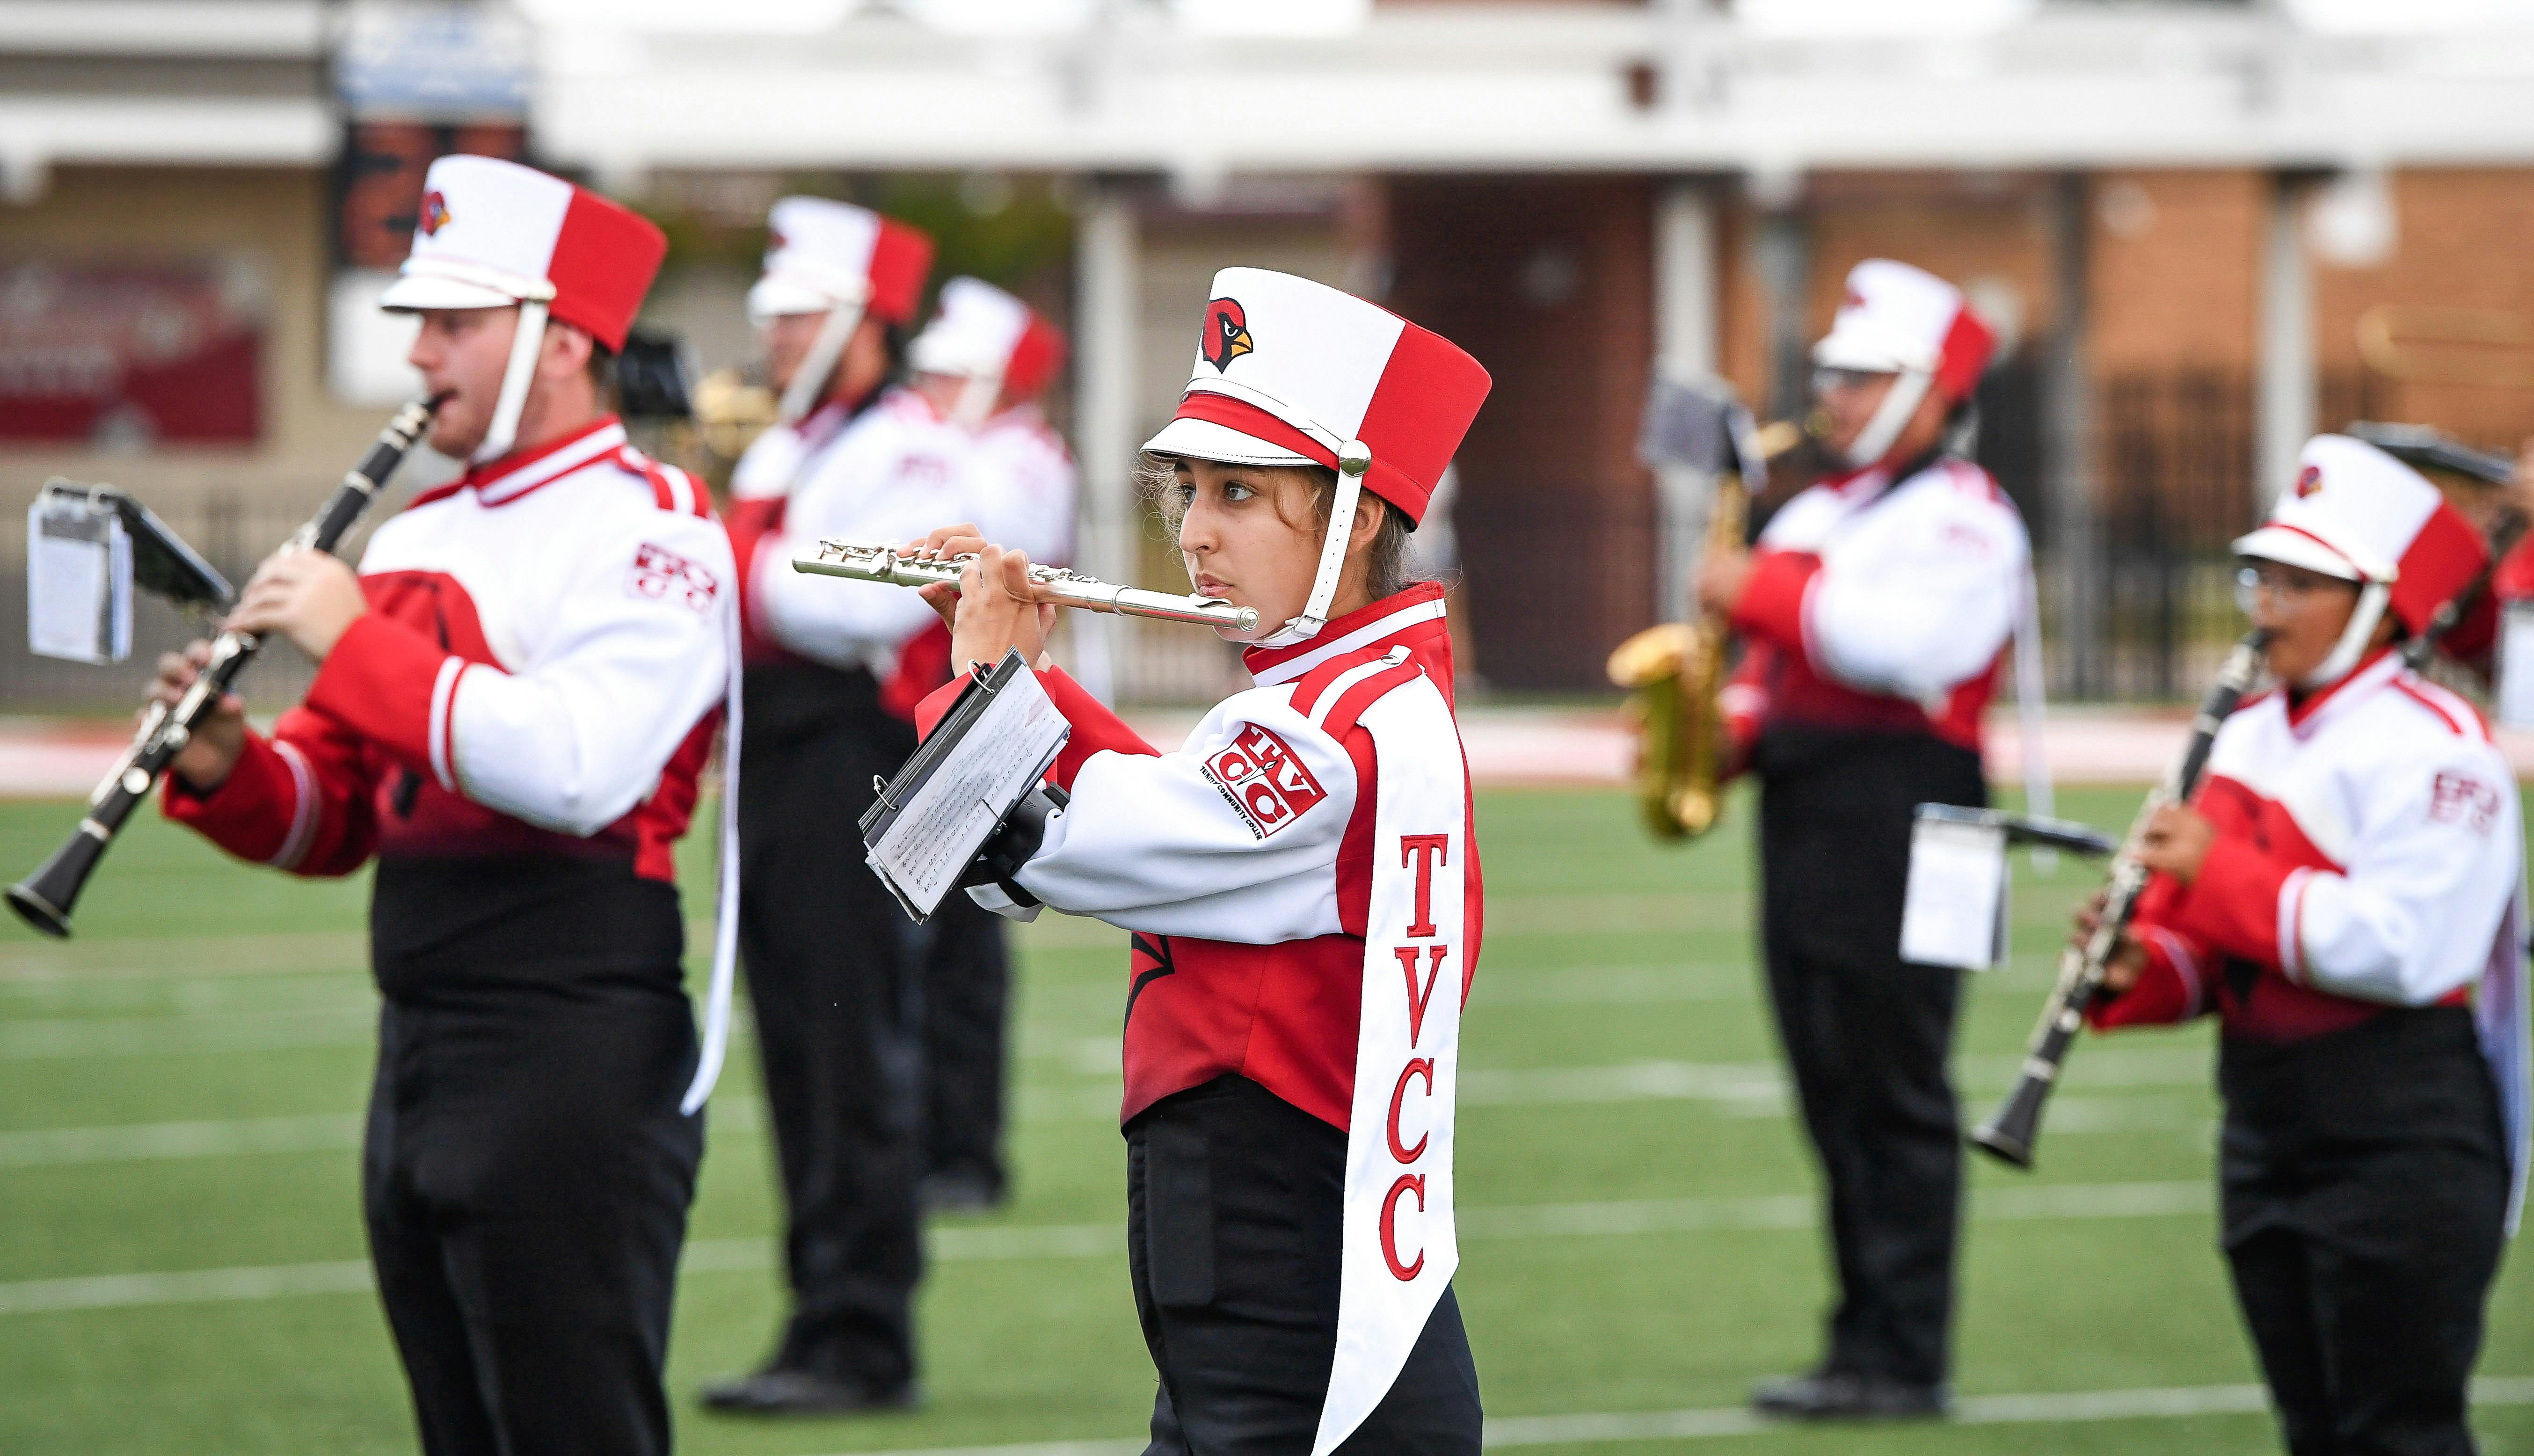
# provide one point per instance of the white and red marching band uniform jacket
(890, 474)
(1882, 605)
(2368, 856)
(1300, 880)
(540, 671)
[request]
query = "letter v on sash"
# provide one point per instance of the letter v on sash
(1418, 999)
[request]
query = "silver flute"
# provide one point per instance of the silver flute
(857, 561)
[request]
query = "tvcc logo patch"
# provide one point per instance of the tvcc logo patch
(1264, 780)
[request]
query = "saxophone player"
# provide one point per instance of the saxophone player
(1874, 613)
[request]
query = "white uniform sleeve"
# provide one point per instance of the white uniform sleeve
(1917, 602)
(1235, 838)
(884, 483)
(634, 655)
(1021, 491)
(2411, 920)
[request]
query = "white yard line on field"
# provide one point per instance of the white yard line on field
(964, 1245)
(2048, 1408)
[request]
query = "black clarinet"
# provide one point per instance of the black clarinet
(44, 898)
(2008, 1136)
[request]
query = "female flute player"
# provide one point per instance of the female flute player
(1300, 885)
(2345, 895)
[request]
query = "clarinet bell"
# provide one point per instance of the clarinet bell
(44, 898)
(2008, 1136)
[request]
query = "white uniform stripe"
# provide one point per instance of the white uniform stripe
(443, 691)
(563, 461)
(303, 807)
(1339, 686)
(1364, 636)
(2291, 900)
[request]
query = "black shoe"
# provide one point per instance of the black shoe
(780, 1392)
(961, 1193)
(1840, 1395)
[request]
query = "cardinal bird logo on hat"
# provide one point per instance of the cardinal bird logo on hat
(1227, 334)
(2309, 481)
(435, 212)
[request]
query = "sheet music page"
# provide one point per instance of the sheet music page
(942, 827)
(79, 585)
(1954, 913)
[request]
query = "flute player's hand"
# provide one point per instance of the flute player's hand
(939, 544)
(998, 611)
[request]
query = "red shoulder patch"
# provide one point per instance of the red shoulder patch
(1264, 780)
(662, 574)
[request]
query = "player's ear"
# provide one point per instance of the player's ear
(567, 349)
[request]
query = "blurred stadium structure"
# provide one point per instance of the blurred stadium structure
(2177, 212)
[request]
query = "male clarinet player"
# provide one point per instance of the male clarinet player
(1875, 613)
(513, 701)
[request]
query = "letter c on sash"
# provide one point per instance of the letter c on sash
(1407, 1182)
(1418, 1066)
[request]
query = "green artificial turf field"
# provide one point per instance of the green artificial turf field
(181, 1254)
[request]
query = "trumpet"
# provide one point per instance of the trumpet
(857, 561)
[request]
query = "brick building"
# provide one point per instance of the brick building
(2177, 212)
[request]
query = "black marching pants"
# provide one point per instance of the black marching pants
(1235, 1215)
(526, 1174)
(967, 996)
(2365, 1182)
(831, 961)
(1865, 1035)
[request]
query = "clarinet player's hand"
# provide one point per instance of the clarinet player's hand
(2128, 958)
(219, 738)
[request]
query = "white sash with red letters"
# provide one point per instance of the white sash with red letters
(1400, 1249)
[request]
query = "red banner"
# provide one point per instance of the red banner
(130, 354)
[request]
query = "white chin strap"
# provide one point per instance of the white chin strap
(1890, 418)
(976, 402)
(516, 376)
(2353, 640)
(1354, 459)
(810, 382)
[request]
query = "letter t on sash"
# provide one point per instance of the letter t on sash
(1429, 850)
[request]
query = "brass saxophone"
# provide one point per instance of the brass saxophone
(1674, 672)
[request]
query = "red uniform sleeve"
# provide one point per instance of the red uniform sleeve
(391, 685)
(1743, 705)
(2168, 989)
(1096, 730)
(301, 801)
(2233, 907)
(1771, 608)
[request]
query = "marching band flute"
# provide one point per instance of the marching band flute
(1065, 589)
(44, 898)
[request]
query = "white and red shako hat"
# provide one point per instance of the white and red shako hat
(494, 233)
(832, 258)
(821, 254)
(1290, 372)
(986, 337)
(1895, 319)
(2360, 515)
